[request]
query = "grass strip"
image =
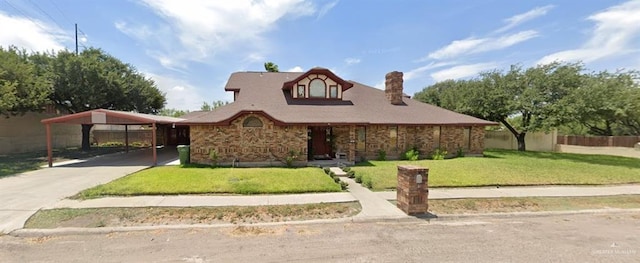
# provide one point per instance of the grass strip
(145, 216)
(531, 204)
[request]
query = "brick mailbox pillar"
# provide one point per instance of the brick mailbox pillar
(413, 189)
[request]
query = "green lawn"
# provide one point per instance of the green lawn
(184, 180)
(505, 167)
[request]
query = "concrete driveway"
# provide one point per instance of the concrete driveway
(24, 194)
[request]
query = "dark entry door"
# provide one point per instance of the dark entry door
(178, 135)
(320, 143)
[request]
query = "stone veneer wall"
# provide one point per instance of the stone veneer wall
(272, 143)
(421, 137)
(341, 137)
(477, 140)
(269, 143)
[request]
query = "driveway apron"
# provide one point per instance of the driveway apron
(24, 194)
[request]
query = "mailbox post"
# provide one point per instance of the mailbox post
(413, 189)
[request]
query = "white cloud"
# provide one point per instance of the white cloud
(352, 61)
(295, 69)
(140, 32)
(30, 34)
(474, 45)
(462, 71)
(416, 71)
(521, 18)
(616, 33)
(380, 85)
(456, 48)
(179, 93)
(325, 8)
(199, 29)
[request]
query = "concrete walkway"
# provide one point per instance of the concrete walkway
(526, 191)
(373, 206)
(24, 194)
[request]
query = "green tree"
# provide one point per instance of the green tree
(271, 67)
(94, 79)
(608, 104)
(521, 100)
(172, 112)
(216, 104)
(22, 86)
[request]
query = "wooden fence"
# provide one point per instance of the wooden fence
(599, 141)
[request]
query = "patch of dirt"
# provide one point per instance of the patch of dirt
(530, 204)
(148, 216)
(242, 231)
(40, 240)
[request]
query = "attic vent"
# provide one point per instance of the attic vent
(252, 122)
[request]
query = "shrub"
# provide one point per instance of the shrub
(358, 178)
(412, 155)
(213, 155)
(138, 144)
(290, 158)
(346, 169)
(439, 154)
(460, 152)
(336, 179)
(382, 155)
(111, 144)
(326, 170)
(344, 185)
(332, 174)
(366, 182)
(351, 174)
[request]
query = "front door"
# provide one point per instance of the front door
(178, 135)
(320, 142)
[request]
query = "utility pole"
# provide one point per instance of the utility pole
(76, 39)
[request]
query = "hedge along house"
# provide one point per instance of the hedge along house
(317, 115)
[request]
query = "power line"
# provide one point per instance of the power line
(26, 16)
(60, 11)
(46, 14)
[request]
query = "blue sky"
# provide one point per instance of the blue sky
(191, 47)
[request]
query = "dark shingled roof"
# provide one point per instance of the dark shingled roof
(262, 92)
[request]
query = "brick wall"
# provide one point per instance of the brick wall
(477, 140)
(269, 143)
(272, 143)
(378, 137)
(341, 137)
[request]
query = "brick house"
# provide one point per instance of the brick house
(318, 115)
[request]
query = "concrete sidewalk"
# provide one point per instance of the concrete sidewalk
(374, 204)
(207, 200)
(524, 191)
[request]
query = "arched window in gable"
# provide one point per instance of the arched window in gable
(317, 88)
(252, 122)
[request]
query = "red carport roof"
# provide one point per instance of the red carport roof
(102, 116)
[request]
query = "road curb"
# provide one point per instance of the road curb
(408, 219)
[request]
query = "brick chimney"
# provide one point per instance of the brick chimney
(393, 87)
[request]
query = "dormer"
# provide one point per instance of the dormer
(317, 83)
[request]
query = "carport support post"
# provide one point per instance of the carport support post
(126, 138)
(49, 150)
(153, 143)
